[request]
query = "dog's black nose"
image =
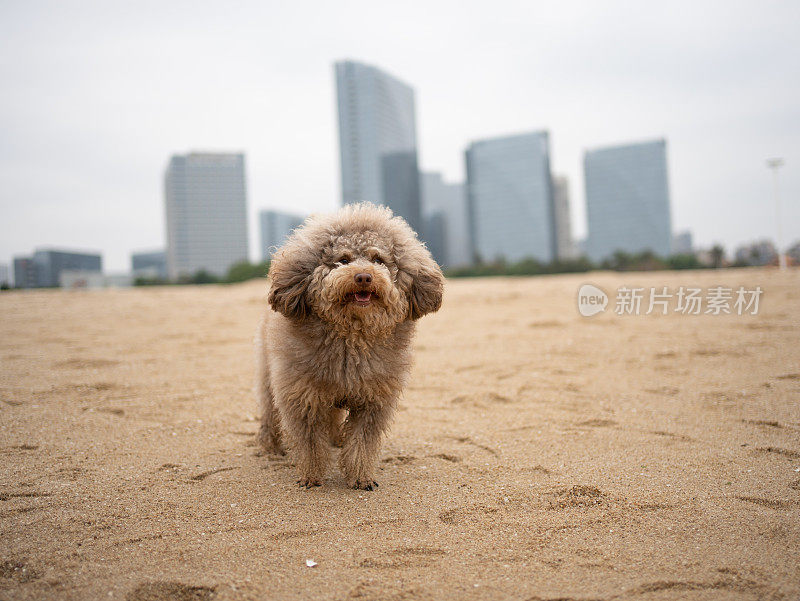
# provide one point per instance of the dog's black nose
(363, 278)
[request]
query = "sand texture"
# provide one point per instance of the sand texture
(537, 454)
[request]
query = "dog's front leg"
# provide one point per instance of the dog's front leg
(363, 431)
(306, 422)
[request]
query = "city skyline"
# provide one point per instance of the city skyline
(84, 141)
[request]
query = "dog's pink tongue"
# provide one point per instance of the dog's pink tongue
(363, 296)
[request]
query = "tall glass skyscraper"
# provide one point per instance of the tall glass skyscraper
(206, 210)
(445, 214)
(627, 200)
(276, 227)
(510, 198)
(565, 249)
(378, 140)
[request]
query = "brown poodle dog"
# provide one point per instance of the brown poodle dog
(345, 292)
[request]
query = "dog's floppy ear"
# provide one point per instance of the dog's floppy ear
(421, 277)
(427, 288)
(290, 274)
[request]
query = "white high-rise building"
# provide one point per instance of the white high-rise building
(378, 140)
(627, 200)
(445, 209)
(276, 226)
(206, 209)
(510, 198)
(565, 248)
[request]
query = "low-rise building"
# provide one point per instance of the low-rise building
(682, 243)
(761, 252)
(44, 268)
(149, 264)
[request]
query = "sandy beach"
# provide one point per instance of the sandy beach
(537, 454)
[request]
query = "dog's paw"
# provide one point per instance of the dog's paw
(309, 482)
(364, 485)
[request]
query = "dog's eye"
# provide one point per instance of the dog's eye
(343, 261)
(377, 260)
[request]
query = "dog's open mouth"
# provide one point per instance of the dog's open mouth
(361, 298)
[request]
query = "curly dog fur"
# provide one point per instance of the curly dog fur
(334, 353)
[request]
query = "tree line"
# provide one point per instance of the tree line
(619, 261)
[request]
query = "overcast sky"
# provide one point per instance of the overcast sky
(97, 95)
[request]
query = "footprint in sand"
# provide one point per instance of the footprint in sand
(468, 440)
(296, 533)
(706, 353)
(170, 591)
(778, 451)
(772, 503)
(536, 469)
(85, 363)
(598, 423)
(17, 571)
(480, 400)
(23, 447)
(665, 390)
(682, 437)
(403, 558)
(446, 457)
(34, 494)
(460, 515)
(687, 585)
(546, 324)
(763, 422)
(207, 473)
(576, 496)
(399, 459)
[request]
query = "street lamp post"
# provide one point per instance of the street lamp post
(776, 164)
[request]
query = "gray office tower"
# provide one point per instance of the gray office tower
(43, 269)
(275, 228)
(206, 209)
(565, 248)
(510, 198)
(627, 200)
(444, 208)
(378, 140)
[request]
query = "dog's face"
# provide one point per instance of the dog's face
(360, 268)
